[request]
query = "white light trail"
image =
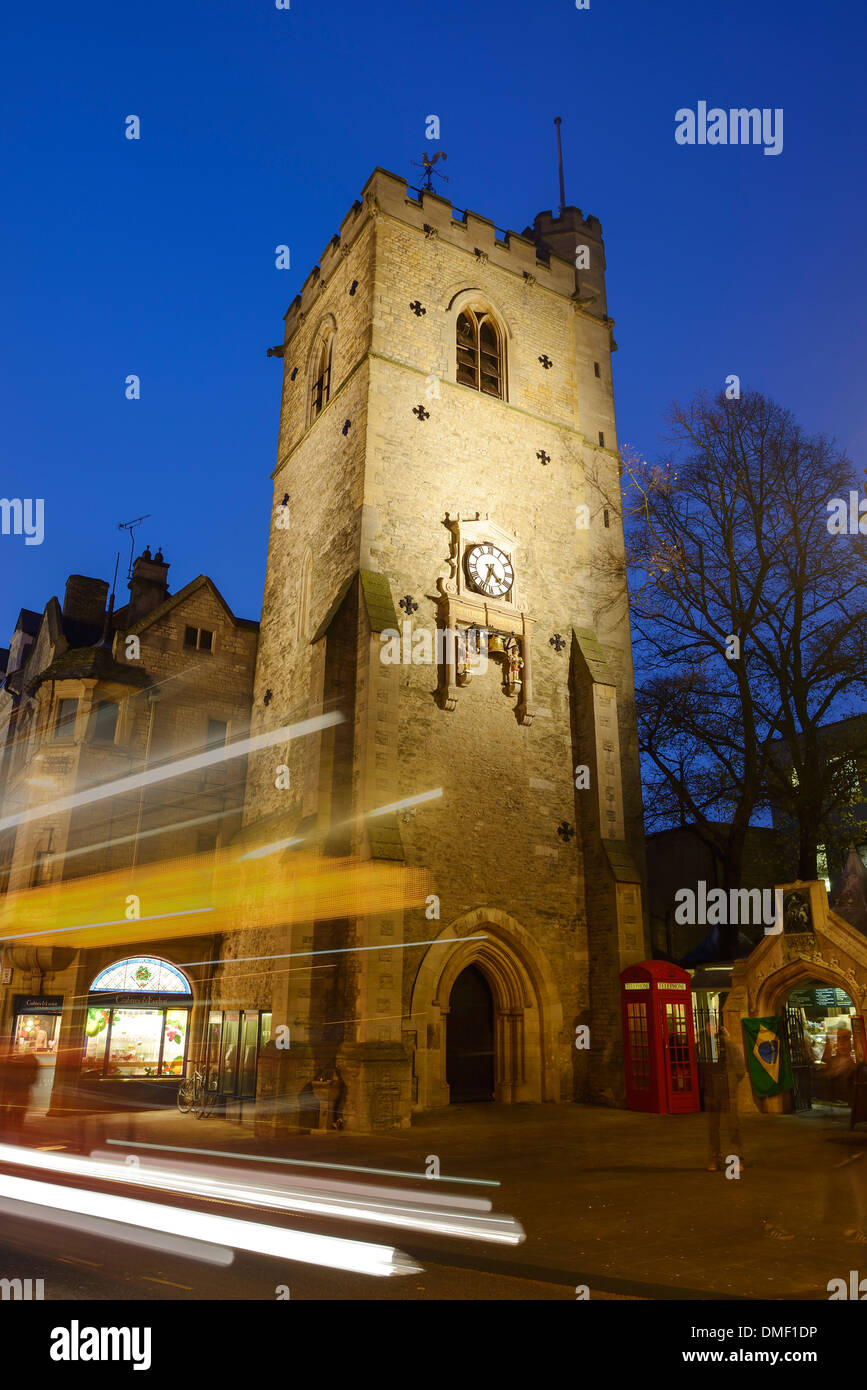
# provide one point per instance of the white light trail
(272, 848)
(146, 834)
(277, 845)
(408, 801)
(331, 1252)
(326, 951)
(296, 1162)
(137, 780)
(468, 1218)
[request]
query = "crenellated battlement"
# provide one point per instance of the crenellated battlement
(534, 253)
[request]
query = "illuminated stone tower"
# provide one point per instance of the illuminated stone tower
(448, 458)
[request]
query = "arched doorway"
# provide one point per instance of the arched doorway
(470, 1039)
(819, 1023)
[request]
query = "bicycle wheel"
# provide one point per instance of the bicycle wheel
(209, 1100)
(186, 1095)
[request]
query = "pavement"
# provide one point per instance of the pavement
(614, 1199)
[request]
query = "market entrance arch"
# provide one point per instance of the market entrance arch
(812, 974)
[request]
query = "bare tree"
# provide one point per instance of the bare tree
(750, 621)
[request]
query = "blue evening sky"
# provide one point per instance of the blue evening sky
(260, 126)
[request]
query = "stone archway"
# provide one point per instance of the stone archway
(829, 949)
(530, 1058)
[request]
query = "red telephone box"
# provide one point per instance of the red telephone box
(659, 1039)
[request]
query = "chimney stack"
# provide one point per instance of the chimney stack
(147, 587)
(84, 600)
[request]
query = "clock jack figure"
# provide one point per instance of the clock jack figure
(720, 1083)
(514, 667)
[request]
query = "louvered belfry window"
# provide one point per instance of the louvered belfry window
(480, 353)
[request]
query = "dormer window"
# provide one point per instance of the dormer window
(480, 352)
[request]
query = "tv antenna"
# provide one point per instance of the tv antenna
(429, 170)
(130, 526)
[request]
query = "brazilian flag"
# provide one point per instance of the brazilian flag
(767, 1058)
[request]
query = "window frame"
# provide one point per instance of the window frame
(481, 318)
(319, 386)
(197, 645)
(61, 723)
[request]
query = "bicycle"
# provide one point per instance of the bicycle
(197, 1093)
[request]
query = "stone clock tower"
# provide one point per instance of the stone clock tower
(447, 463)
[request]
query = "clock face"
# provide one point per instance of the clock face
(489, 570)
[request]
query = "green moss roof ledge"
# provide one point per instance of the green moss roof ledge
(594, 655)
(376, 592)
(381, 612)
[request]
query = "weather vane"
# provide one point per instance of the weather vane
(429, 170)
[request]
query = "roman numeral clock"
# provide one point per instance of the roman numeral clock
(481, 595)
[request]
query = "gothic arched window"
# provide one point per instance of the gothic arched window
(480, 352)
(320, 389)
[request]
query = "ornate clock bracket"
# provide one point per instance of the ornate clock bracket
(457, 671)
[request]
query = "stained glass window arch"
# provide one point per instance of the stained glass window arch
(146, 973)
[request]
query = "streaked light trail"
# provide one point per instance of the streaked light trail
(137, 780)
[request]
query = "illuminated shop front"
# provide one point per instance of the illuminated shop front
(825, 1037)
(37, 1023)
(138, 1021)
(35, 1029)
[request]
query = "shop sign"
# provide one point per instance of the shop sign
(143, 1001)
(38, 1003)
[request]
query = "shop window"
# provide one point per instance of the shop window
(174, 1042)
(95, 1038)
(64, 725)
(103, 721)
(36, 1032)
(134, 1042)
